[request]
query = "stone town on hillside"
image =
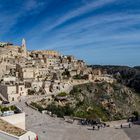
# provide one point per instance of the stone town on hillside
(42, 73)
(25, 72)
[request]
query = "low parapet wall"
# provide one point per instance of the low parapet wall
(6, 136)
(29, 104)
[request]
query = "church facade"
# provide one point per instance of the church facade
(8, 50)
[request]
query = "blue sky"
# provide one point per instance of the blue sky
(98, 31)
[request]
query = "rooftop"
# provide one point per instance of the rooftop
(11, 129)
(5, 43)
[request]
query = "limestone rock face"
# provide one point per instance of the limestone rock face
(108, 101)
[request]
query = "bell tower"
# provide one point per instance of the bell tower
(23, 48)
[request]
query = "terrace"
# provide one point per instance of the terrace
(11, 129)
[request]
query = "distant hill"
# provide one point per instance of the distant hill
(137, 67)
(129, 76)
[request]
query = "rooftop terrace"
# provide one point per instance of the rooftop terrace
(10, 129)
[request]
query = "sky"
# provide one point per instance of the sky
(105, 32)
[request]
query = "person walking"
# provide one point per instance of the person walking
(129, 125)
(93, 127)
(121, 126)
(98, 127)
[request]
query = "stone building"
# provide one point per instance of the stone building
(43, 53)
(13, 92)
(9, 50)
(26, 72)
(104, 77)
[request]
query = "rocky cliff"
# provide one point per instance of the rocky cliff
(104, 100)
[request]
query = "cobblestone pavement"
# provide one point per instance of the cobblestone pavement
(49, 128)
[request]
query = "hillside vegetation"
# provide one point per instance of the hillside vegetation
(96, 100)
(104, 100)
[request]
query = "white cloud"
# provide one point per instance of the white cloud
(79, 11)
(10, 18)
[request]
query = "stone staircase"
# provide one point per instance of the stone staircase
(3, 98)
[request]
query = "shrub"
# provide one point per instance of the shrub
(39, 107)
(4, 108)
(74, 90)
(62, 94)
(60, 111)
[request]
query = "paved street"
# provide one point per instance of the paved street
(49, 128)
(134, 133)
